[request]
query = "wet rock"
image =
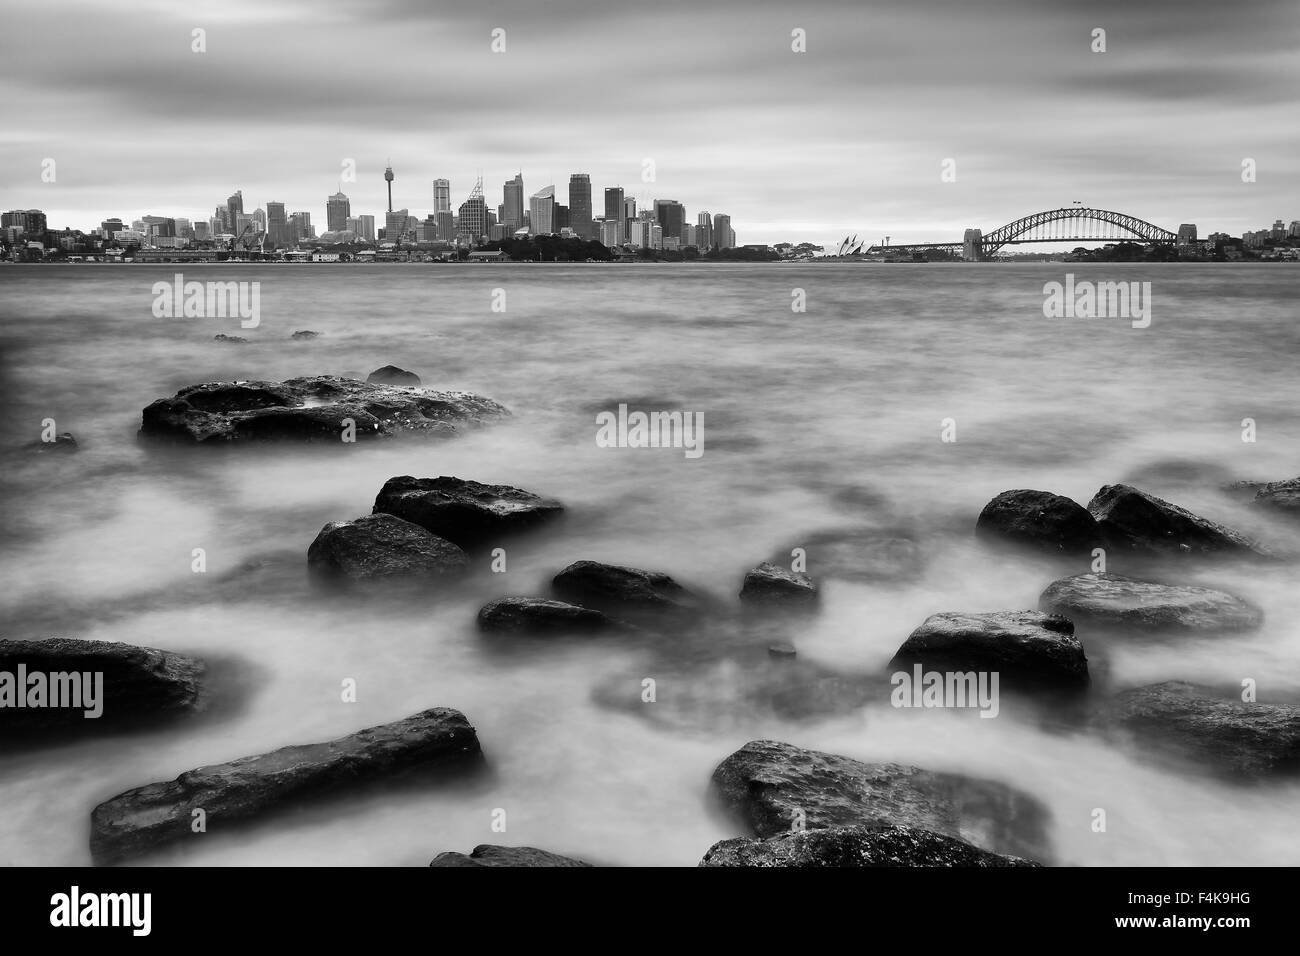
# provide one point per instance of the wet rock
(314, 408)
(616, 589)
(63, 444)
(438, 740)
(469, 513)
(1281, 496)
(1028, 649)
(1134, 520)
(1224, 734)
(1113, 600)
(856, 846)
(487, 854)
(304, 334)
(233, 339)
(392, 375)
(769, 785)
(1040, 520)
(138, 683)
(771, 584)
(782, 651)
(538, 615)
(379, 546)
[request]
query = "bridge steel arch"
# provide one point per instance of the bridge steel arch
(1012, 231)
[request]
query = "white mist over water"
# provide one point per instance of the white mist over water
(816, 421)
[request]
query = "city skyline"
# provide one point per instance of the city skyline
(849, 136)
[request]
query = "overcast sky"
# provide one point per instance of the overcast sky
(847, 137)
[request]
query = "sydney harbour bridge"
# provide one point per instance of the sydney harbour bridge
(1075, 223)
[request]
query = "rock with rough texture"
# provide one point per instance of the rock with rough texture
(314, 408)
(1112, 600)
(1281, 496)
(138, 683)
(233, 339)
(619, 590)
(303, 334)
(487, 854)
(772, 584)
(63, 444)
(1027, 649)
(856, 846)
(438, 740)
(1209, 730)
(382, 546)
(770, 785)
(469, 513)
(1040, 520)
(1136, 521)
(392, 375)
(529, 615)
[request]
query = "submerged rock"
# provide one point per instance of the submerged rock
(376, 546)
(1026, 648)
(392, 375)
(1118, 601)
(1041, 520)
(469, 513)
(487, 854)
(615, 589)
(1282, 496)
(856, 846)
(304, 334)
(314, 408)
(1226, 734)
(137, 683)
(148, 817)
(539, 616)
(234, 339)
(771, 584)
(1134, 520)
(772, 786)
(63, 444)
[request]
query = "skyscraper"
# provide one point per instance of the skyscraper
(234, 208)
(704, 231)
(441, 196)
(541, 211)
(722, 231)
(671, 215)
(337, 211)
(275, 224)
(580, 204)
(472, 221)
(614, 212)
(513, 207)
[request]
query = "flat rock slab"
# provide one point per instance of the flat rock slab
(769, 785)
(314, 408)
(137, 683)
(772, 584)
(1039, 520)
(854, 847)
(530, 615)
(383, 546)
(1026, 648)
(616, 589)
(148, 817)
(469, 513)
(1283, 496)
(1112, 600)
(488, 854)
(1134, 520)
(1224, 734)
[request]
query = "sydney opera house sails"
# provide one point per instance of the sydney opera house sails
(851, 246)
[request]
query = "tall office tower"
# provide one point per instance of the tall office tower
(609, 232)
(562, 217)
(512, 210)
(202, 232)
(541, 211)
(275, 225)
(367, 230)
(337, 210)
(446, 226)
(614, 212)
(629, 208)
(580, 204)
(722, 231)
(688, 235)
(704, 232)
(395, 224)
(259, 217)
(300, 224)
(184, 228)
(388, 178)
(234, 207)
(638, 234)
(441, 196)
(671, 215)
(471, 225)
(108, 226)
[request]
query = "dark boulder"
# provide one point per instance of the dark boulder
(1209, 730)
(137, 683)
(314, 408)
(1136, 521)
(775, 787)
(469, 513)
(392, 375)
(148, 817)
(1027, 649)
(233, 339)
(539, 616)
(375, 546)
(1281, 496)
(487, 854)
(304, 334)
(619, 590)
(856, 846)
(772, 584)
(1040, 520)
(1112, 600)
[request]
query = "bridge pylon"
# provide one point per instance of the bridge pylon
(972, 243)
